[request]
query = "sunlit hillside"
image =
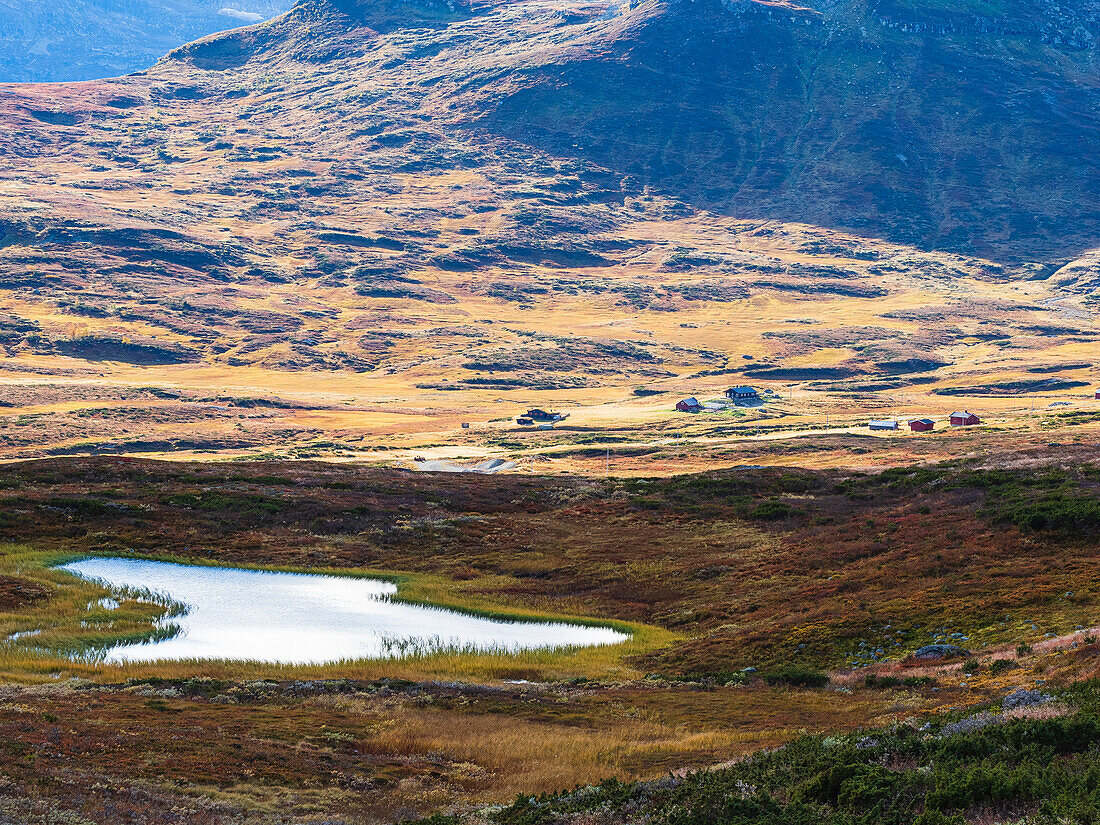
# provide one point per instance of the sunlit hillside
(334, 235)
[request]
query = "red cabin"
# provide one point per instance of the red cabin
(689, 405)
(964, 419)
(922, 425)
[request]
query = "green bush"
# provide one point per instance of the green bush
(918, 681)
(873, 681)
(1056, 514)
(797, 676)
(524, 811)
(773, 511)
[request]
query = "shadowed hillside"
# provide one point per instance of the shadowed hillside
(973, 130)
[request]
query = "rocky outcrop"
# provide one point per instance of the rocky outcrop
(940, 651)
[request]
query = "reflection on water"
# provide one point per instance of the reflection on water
(297, 618)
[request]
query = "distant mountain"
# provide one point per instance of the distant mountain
(51, 40)
(969, 126)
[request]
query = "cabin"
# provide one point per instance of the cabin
(689, 405)
(742, 394)
(922, 425)
(1097, 396)
(964, 419)
(525, 422)
(883, 425)
(543, 415)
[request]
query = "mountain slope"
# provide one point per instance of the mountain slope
(969, 130)
(558, 201)
(942, 129)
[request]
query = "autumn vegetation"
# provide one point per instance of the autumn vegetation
(758, 600)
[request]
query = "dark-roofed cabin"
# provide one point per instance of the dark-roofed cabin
(742, 394)
(543, 416)
(964, 419)
(922, 425)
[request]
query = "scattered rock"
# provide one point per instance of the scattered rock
(972, 723)
(1025, 698)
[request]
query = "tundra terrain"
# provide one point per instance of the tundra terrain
(746, 591)
(251, 296)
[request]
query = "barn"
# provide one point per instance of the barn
(922, 425)
(883, 425)
(964, 419)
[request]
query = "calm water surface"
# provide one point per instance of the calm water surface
(297, 618)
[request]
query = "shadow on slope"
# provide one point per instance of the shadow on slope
(970, 134)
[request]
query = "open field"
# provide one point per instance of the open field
(796, 426)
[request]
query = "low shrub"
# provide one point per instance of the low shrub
(773, 511)
(873, 681)
(797, 676)
(1056, 514)
(940, 774)
(918, 681)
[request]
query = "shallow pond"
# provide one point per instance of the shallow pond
(298, 618)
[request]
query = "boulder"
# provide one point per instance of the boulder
(940, 651)
(1024, 698)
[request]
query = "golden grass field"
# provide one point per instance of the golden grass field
(229, 264)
